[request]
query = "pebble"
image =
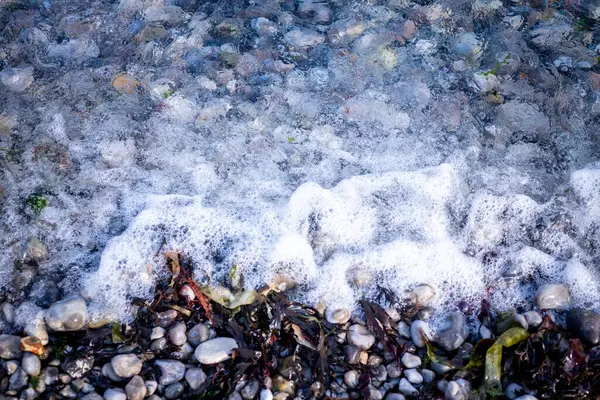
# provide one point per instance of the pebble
(585, 324)
(513, 390)
(195, 377)
(351, 379)
(174, 391)
(50, 375)
(266, 394)
(410, 360)
(533, 318)
(198, 333)
(394, 370)
(177, 334)
(78, 367)
(151, 387)
(360, 337)
(454, 334)
(115, 394)
(10, 346)
(165, 318)
(394, 396)
(67, 315)
(454, 392)
(171, 371)
(553, 297)
(157, 333)
(31, 364)
(485, 332)
(18, 380)
(352, 354)
(11, 366)
(439, 369)
(404, 329)
(32, 344)
(406, 388)
(413, 376)
(337, 316)
(420, 332)
(158, 345)
(17, 79)
(215, 350)
(527, 397)
(68, 392)
(126, 365)
(250, 391)
(428, 375)
(136, 388)
(92, 396)
(303, 38)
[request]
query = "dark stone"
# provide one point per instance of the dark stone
(585, 324)
(79, 367)
(454, 334)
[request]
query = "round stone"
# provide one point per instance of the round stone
(136, 388)
(198, 333)
(411, 361)
(250, 391)
(420, 332)
(195, 377)
(553, 297)
(31, 364)
(406, 388)
(360, 337)
(10, 346)
(67, 315)
(215, 350)
(337, 316)
(171, 371)
(413, 376)
(174, 391)
(115, 394)
(351, 379)
(126, 365)
(157, 333)
(177, 334)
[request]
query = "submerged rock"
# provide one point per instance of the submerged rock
(17, 79)
(553, 297)
(454, 334)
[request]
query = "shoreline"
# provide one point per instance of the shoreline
(184, 344)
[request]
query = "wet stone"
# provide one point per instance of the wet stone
(78, 368)
(166, 318)
(171, 371)
(18, 380)
(411, 361)
(157, 333)
(177, 334)
(215, 350)
(250, 390)
(420, 332)
(68, 393)
(395, 396)
(394, 370)
(553, 297)
(174, 391)
(360, 337)
(585, 324)
(454, 334)
(115, 394)
(31, 364)
(195, 377)
(17, 79)
(50, 375)
(136, 388)
(126, 365)
(351, 379)
(10, 346)
(151, 387)
(406, 388)
(158, 345)
(413, 376)
(198, 333)
(352, 354)
(67, 315)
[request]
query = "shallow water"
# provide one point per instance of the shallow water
(351, 146)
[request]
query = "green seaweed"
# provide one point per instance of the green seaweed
(36, 202)
(496, 69)
(493, 359)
